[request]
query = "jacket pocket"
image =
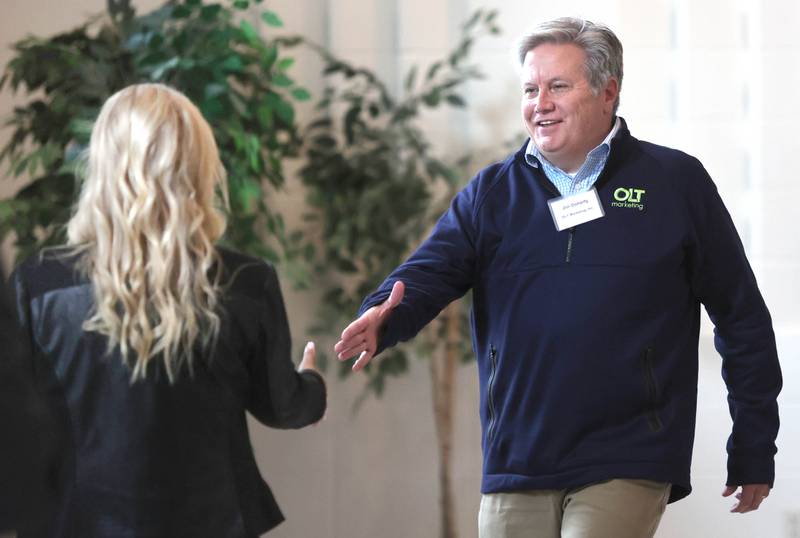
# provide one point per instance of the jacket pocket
(490, 392)
(652, 390)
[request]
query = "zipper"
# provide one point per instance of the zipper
(570, 237)
(549, 187)
(652, 391)
(601, 179)
(490, 389)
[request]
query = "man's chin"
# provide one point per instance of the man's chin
(546, 144)
(546, 148)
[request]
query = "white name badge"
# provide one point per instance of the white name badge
(569, 211)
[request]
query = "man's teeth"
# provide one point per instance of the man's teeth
(547, 122)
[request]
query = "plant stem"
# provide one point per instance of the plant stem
(443, 364)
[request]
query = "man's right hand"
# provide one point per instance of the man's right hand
(361, 336)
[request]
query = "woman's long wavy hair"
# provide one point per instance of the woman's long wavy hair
(145, 226)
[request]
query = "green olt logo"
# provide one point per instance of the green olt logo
(629, 197)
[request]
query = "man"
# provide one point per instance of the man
(589, 253)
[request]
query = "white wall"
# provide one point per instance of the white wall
(716, 78)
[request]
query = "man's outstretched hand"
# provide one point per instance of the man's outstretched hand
(361, 336)
(750, 497)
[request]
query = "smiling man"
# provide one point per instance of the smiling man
(589, 253)
(565, 115)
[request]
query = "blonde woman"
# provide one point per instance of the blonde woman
(151, 342)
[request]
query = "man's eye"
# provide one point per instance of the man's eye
(560, 87)
(530, 91)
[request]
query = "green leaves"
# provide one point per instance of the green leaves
(157, 74)
(181, 12)
(285, 64)
(285, 111)
(232, 64)
(411, 77)
(432, 98)
(432, 70)
(210, 12)
(301, 94)
(282, 80)
(272, 19)
(249, 32)
(236, 73)
(374, 182)
(456, 100)
(268, 57)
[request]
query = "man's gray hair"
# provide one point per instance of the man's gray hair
(602, 48)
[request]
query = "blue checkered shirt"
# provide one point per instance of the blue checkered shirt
(583, 180)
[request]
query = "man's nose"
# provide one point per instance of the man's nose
(543, 101)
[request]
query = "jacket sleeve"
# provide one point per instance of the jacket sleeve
(441, 270)
(16, 389)
(723, 281)
(28, 454)
(280, 396)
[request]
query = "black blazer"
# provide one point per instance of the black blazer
(23, 426)
(154, 459)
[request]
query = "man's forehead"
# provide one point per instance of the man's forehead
(554, 52)
(549, 60)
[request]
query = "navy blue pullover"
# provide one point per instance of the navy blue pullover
(587, 339)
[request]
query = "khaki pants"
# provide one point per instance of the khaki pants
(613, 509)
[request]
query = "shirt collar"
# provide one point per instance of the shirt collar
(532, 155)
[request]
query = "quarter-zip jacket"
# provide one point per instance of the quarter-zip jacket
(587, 339)
(152, 458)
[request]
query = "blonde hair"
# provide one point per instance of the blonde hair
(146, 223)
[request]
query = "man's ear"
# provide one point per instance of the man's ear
(611, 91)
